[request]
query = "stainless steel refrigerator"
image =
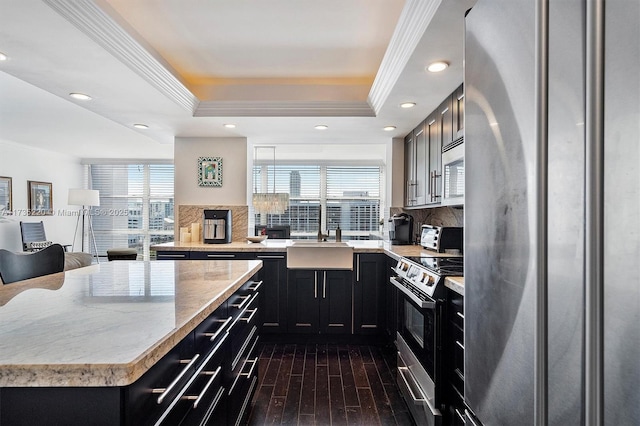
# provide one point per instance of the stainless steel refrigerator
(552, 212)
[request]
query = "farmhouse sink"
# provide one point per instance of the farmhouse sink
(319, 255)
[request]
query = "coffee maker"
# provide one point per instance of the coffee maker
(216, 227)
(401, 229)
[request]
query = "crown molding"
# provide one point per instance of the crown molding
(94, 22)
(413, 22)
(283, 109)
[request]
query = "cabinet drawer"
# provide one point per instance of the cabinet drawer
(151, 395)
(212, 329)
(244, 379)
(215, 255)
(172, 255)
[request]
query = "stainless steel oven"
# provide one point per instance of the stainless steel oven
(420, 282)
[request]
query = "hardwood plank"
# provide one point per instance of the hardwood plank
(336, 397)
(333, 361)
(359, 375)
(383, 406)
(395, 399)
(306, 420)
(380, 360)
(271, 374)
(348, 384)
(321, 354)
(260, 405)
(368, 413)
(274, 413)
(292, 403)
(322, 408)
(365, 352)
(354, 416)
(298, 360)
(404, 418)
(308, 395)
(284, 374)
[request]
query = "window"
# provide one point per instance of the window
(136, 206)
(348, 196)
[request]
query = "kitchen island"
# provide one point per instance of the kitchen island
(97, 331)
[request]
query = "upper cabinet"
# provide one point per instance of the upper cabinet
(423, 151)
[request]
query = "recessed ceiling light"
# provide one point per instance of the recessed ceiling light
(3, 57)
(321, 127)
(388, 128)
(80, 96)
(140, 126)
(407, 105)
(437, 66)
(230, 126)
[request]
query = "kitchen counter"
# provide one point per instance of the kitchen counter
(107, 324)
(359, 246)
(455, 283)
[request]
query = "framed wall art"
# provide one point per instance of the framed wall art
(210, 171)
(6, 204)
(40, 198)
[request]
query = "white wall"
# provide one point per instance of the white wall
(23, 163)
(233, 191)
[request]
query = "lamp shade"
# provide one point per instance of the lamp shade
(84, 197)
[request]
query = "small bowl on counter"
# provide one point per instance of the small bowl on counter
(257, 239)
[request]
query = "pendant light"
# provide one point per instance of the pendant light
(268, 202)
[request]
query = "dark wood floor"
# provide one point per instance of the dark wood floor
(327, 384)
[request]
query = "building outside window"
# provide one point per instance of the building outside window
(136, 206)
(348, 196)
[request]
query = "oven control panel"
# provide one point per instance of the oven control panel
(418, 276)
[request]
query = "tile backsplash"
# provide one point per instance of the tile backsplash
(438, 216)
(193, 214)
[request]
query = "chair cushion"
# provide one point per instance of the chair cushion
(75, 260)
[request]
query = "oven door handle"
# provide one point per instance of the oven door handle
(402, 372)
(427, 304)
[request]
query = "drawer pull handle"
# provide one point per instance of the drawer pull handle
(269, 257)
(207, 386)
(461, 416)
(460, 344)
(460, 315)
(248, 319)
(178, 256)
(256, 286)
(253, 362)
(219, 256)
(245, 300)
(214, 336)
(165, 391)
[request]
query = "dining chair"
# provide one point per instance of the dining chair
(22, 266)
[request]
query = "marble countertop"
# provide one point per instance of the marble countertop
(359, 246)
(455, 283)
(107, 324)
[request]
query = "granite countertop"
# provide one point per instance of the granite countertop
(359, 246)
(455, 283)
(107, 324)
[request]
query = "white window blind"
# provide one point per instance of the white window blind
(348, 196)
(136, 206)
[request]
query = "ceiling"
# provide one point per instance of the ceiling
(274, 68)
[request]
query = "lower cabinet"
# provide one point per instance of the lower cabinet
(319, 301)
(273, 308)
(454, 364)
(369, 293)
(391, 300)
(209, 378)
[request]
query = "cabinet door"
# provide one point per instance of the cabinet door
(334, 292)
(445, 118)
(369, 288)
(391, 299)
(273, 307)
(410, 170)
(422, 172)
(457, 102)
(434, 158)
(303, 301)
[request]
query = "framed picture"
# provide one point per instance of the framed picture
(210, 171)
(6, 205)
(40, 198)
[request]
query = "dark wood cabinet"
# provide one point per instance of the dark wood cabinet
(454, 361)
(457, 102)
(173, 255)
(319, 301)
(273, 308)
(434, 158)
(410, 192)
(369, 293)
(391, 299)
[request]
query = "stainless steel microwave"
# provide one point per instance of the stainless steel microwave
(453, 176)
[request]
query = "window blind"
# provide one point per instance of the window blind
(136, 206)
